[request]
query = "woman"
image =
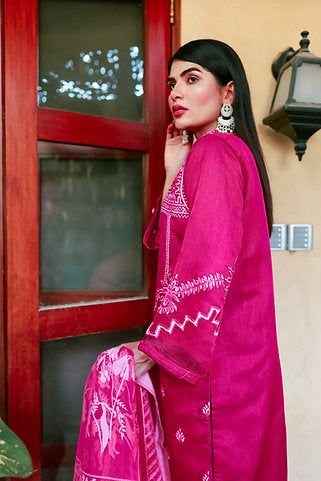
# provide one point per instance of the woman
(213, 335)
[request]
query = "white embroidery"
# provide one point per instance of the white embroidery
(162, 390)
(206, 409)
(170, 292)
(106, 417)
(180, 436)
(168, 240)
(213, 312)
(228, 279)
(175, 203)
(206, 476)
(167, 296)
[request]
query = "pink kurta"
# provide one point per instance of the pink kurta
(213, 334)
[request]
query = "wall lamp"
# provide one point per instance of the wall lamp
(296, 105)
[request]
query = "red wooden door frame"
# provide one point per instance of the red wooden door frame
(3, 361)
(24, 327)
(19, 79)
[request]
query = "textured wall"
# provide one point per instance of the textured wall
(258, 31)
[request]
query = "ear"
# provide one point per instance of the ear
(228, 95)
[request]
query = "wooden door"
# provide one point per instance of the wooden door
(64, 167)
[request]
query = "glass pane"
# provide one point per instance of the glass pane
(91, 219)
(91, 58)
(283, 89)
(308, 83)
(65, 366)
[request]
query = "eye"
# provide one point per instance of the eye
(171, 85)
(192, 79)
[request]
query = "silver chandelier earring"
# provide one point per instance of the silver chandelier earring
(185, 137)
(225, 122)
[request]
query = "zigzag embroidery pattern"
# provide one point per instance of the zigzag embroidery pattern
(187, 319)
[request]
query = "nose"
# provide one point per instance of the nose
(176, 92)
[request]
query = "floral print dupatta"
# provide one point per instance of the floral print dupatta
(120, 438)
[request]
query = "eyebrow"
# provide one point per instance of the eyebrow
(191, 69)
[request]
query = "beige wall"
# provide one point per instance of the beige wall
(258, 31)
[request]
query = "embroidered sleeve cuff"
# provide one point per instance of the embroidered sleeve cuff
(167, 363)
(151, 236)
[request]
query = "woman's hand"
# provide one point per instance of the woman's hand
(142, 362)
(175, 151)
(175, 154)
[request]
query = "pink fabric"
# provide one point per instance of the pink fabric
(213, 332)
(121, 438)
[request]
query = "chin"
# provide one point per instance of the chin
(181, 125)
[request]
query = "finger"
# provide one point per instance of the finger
(173, 130)
(140, 369)
(169, 133)
(133, 346)
(176, 132)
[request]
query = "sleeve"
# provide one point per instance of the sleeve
(189, 305)
(151, 235)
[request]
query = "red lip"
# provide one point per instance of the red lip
(178, 110)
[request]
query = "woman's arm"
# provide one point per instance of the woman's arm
(190, 300)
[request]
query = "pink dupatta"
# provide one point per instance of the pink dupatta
(120, 438)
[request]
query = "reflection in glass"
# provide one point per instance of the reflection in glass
(91, 219)
(65, 366)
(91, 58)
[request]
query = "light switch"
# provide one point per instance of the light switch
(278, 239)
(300, 237)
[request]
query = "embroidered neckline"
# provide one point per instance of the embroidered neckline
(174, 203)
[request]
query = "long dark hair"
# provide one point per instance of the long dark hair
(224, 63)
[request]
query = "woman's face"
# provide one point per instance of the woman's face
(195, 97)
